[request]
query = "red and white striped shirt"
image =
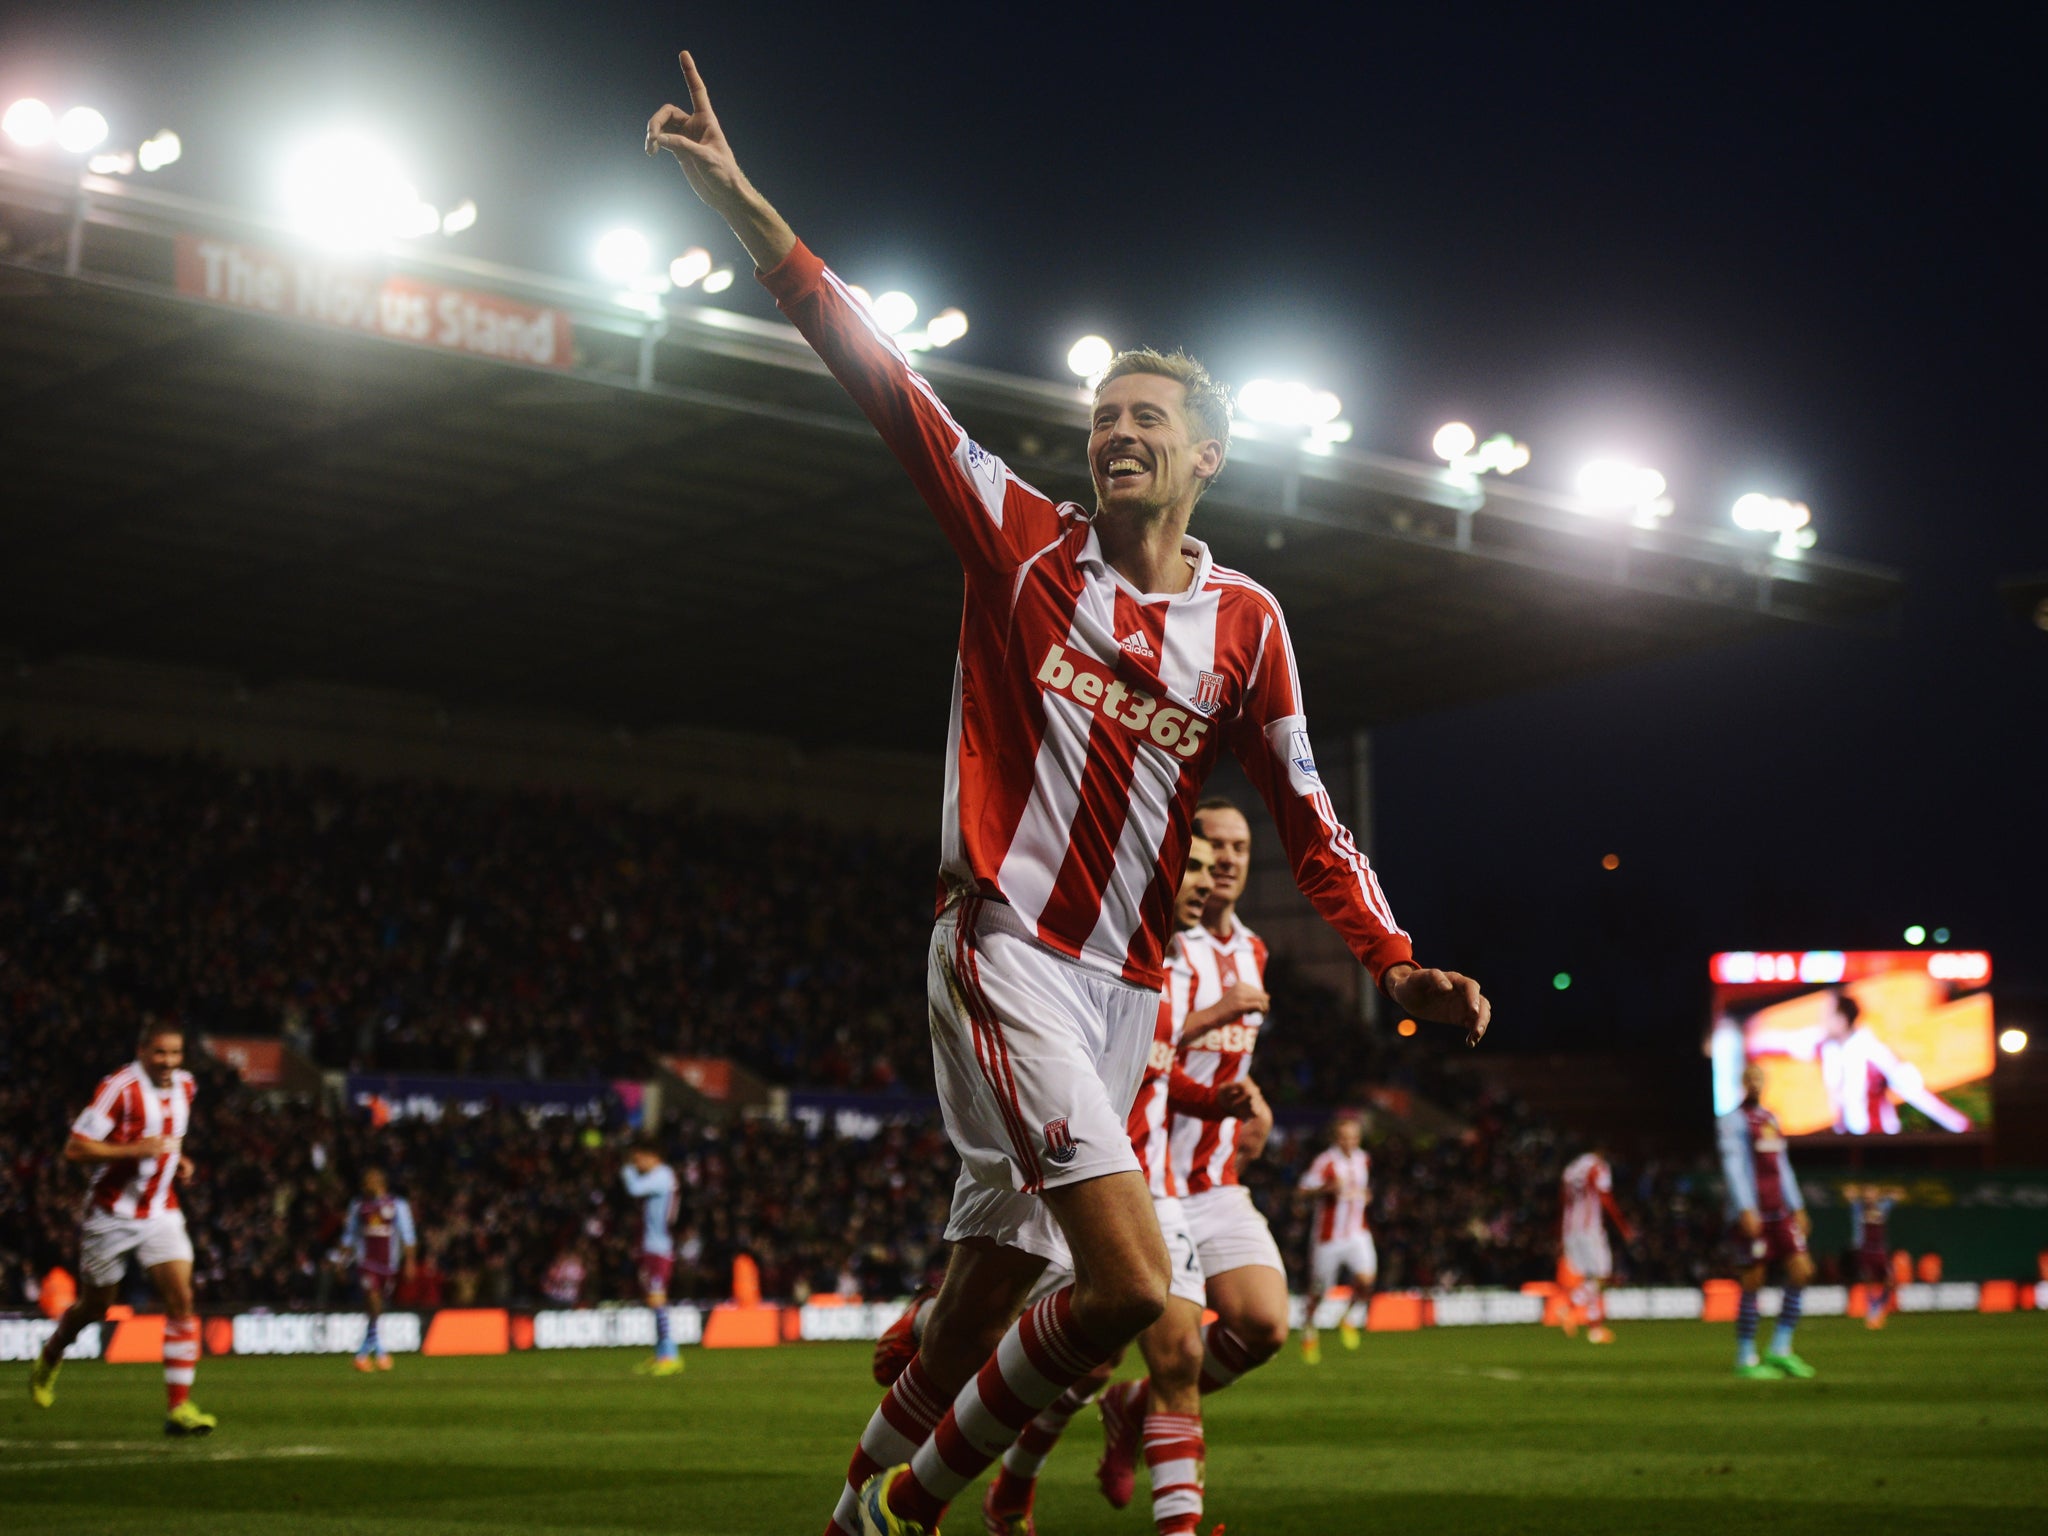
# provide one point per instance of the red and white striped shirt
(1340, 1181)
(1587, 1182)
(1205, 1151)
(1150, 1119)
(1086, 714)
(126, 1107)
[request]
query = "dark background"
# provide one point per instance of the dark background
(1785, 251)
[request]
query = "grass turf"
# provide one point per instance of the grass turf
(1937, 1424)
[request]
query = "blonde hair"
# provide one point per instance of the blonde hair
(1207, 403)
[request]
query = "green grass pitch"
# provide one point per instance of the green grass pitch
(1937, 1424)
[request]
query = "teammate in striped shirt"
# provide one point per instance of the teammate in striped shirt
(1247, 1277)
(1768, 1221)
(1103, 660)
(1340, 1179)
(132, 1135)
(653, 1183)
(380, 1237)
(1587, 1199)
(1162, 1412)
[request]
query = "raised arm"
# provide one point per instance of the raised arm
(994, 521)
(699, 145)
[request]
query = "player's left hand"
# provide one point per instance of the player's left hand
(185, 1169)
(1236, 1098)
(1258, 1125)
(1444, 997)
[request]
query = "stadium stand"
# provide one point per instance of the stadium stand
(411, 926)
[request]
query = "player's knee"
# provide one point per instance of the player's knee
(1120, 1307)
(1263, 1335)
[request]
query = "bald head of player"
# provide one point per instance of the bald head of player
(160, 1048)
(1753, 1083)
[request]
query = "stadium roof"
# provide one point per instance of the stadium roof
(653, 521)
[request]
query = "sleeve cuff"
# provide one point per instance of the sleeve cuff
(795, 273)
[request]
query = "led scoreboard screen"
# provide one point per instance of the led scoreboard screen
(1857, 1042)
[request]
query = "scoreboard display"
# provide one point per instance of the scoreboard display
(1857, 1042)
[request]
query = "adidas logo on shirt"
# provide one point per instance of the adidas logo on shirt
(1137, 645)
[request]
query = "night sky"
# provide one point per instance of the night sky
(1788, 253)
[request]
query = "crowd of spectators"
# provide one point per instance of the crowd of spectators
(409, 926)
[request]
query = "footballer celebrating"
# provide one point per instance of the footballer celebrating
(132, 1136)
(1103, 660)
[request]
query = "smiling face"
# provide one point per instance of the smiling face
(1196, 882)
(1143, 451)
(161, 1055)
(1231, 836)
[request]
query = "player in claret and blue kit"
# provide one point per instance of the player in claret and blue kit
(381, 1240)
(653, 1183)
(1768, 1225)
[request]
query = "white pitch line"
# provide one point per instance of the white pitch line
(273, 1453)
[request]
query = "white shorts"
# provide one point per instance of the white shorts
(1355, 1253)
(1038, 1058)
(1229, 1231)
(106, 1240)
(1184, 1264)
(1588, 1253)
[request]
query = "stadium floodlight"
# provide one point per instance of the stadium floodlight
(1613, 485)
(81, 130)
(1791, 521)
(347, 190)
(2012, 1041)
(1453, 441)
(1459, 446)
(1288, 404)
(946, 327)
(418, 221)
(1089, 356)
(719, 281)
(120, 163)
(29, 123)
(621, 255)
(694, 265)
(462, 216)
(895, 311)
(160, 149)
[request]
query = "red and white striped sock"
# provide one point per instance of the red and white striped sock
(1017, 1478)
(1173, 1459)
(902, 1423)
(1225, 1357)
(1041, 1355)
(181, 1357)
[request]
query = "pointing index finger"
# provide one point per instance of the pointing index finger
(700, 99)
